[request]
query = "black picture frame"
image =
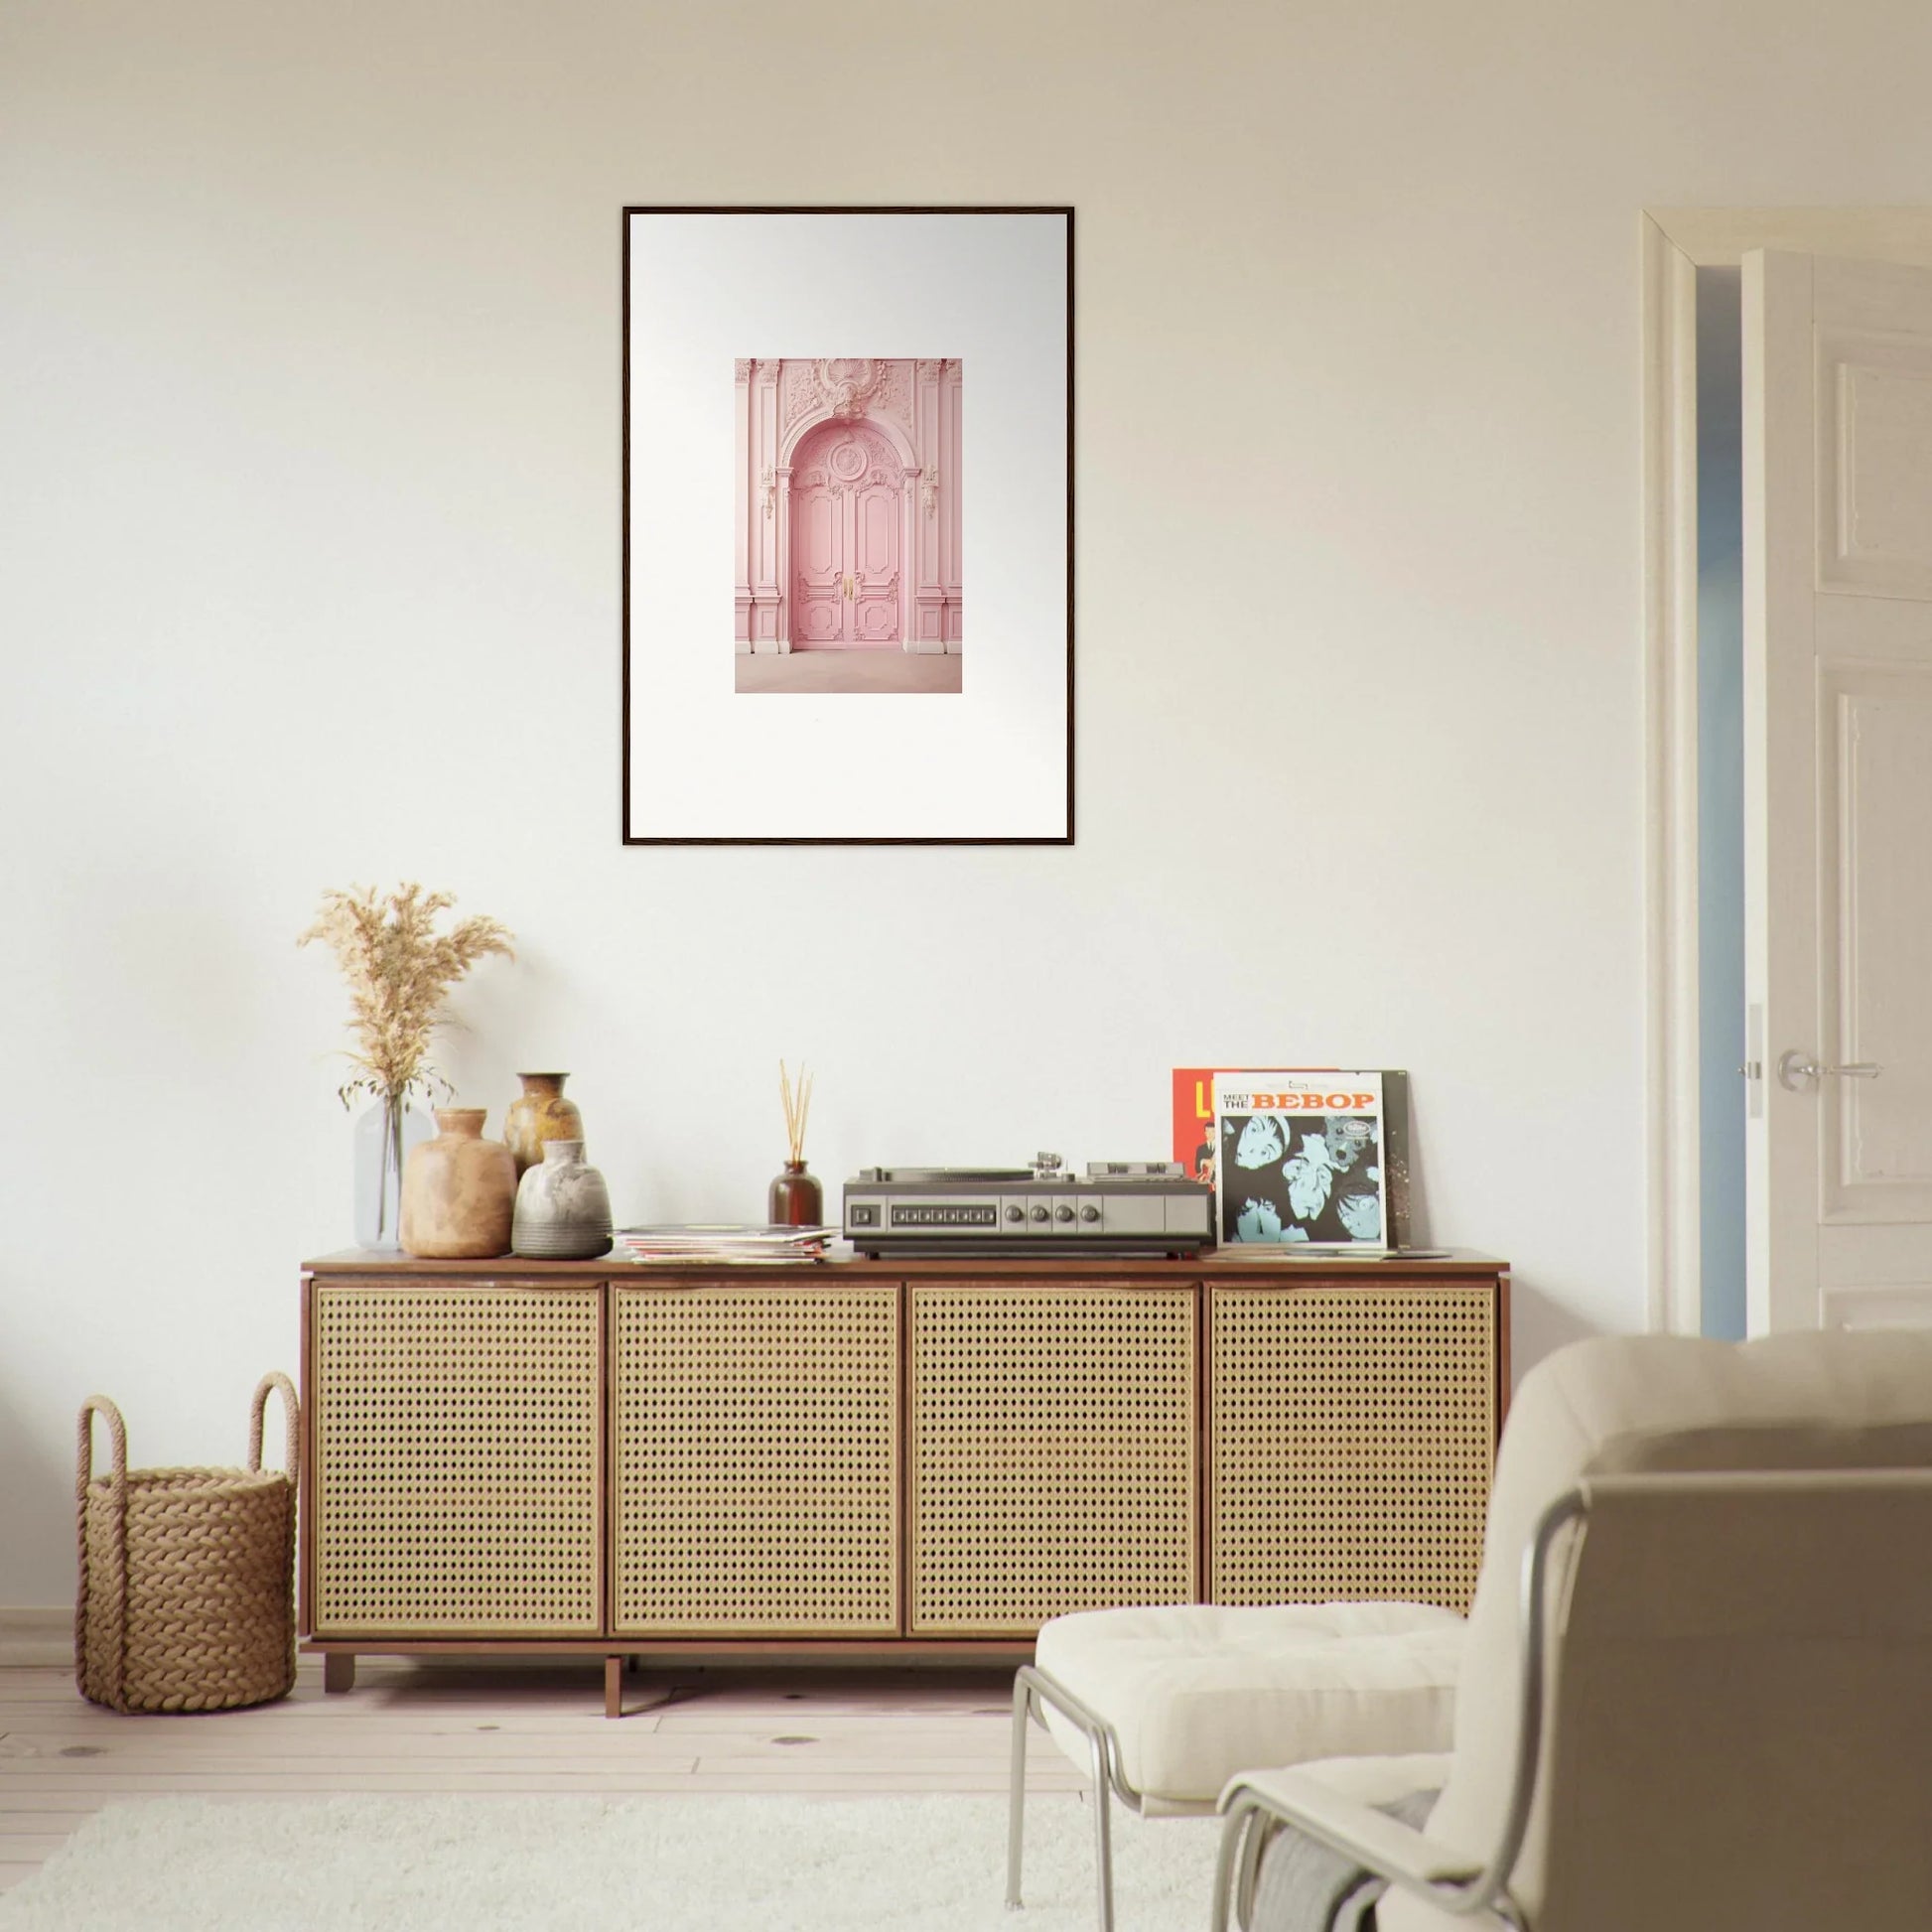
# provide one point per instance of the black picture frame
(632, 835)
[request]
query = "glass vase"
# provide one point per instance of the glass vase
(385, 1133)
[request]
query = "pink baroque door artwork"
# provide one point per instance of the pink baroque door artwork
(845, 544)
(847, 507)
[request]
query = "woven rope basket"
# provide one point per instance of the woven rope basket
(186, 1599)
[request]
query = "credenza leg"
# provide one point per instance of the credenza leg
(613, 1687)
(339, 1670)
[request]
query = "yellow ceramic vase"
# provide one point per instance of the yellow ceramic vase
(459, 1192)
(541, 1113)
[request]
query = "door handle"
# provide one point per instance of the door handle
(1798, 1071)
(847, 584)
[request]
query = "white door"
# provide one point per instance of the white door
(1837, 790)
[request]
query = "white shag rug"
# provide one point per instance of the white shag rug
(766, 1864)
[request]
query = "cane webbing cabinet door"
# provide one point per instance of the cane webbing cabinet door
(1351, 1435)
(1053, 1441)
(755, 1429)
(457, 1446)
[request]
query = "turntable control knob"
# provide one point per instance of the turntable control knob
(1063, 1213)
(1089, 1212)
(1015, 1212)
(1039, 1214)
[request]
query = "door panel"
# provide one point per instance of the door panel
(1053, 1451)
(875, 553)
(819, 546)
(1875, 400)
(1838, 610)
(1875, 750)
(456, 1449)
(755, 1486)
(1351, 1442)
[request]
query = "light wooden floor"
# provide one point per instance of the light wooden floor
(471, 1728)
(848, 670)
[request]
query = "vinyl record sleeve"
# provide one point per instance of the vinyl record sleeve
(1194, 1142)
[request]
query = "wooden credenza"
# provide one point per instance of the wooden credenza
(898, 1459)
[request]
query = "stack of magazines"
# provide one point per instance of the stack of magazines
(702, 1241)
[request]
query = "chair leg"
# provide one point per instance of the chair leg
(1030, 1689)
(1103, 1835)
(1253, 1844)
(1228, 1866)
(1022, 1709)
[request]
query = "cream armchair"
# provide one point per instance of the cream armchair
(1697, 1687)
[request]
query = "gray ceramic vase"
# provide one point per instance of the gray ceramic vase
(563, 1208)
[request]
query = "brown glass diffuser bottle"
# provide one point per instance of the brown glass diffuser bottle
(795, 1199)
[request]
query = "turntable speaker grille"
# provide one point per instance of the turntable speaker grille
(1351, 1443)
(1054, 1460)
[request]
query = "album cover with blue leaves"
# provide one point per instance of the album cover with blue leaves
(1306, 1158)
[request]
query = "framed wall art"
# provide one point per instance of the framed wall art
(848, 576)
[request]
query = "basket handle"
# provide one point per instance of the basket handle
(258, 1415)
(99, 1405)
(116, 1562)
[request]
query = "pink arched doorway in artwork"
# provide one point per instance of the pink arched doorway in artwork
(846, 530)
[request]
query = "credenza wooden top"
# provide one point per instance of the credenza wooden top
(1216, 1264)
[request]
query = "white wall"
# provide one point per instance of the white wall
(308, 575)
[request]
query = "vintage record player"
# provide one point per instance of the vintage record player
(1117, 1207)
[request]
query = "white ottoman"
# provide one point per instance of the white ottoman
(1163, 1705)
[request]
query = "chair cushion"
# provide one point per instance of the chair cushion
(1196, 1691)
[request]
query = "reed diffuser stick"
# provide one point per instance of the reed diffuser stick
(798, 1102)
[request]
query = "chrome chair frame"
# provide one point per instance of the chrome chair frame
(1032, 1689)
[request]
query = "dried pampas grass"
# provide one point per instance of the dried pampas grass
(399, 968)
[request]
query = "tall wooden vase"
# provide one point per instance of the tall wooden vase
(459, 1192)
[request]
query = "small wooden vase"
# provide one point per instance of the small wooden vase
(795, 1200)
(541, 1113)
(459, 1192)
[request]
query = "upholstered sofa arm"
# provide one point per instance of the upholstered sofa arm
(1371, 1838)
(1374, 1781)
(1335, 1804)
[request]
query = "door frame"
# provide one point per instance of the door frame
(1675, 244)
